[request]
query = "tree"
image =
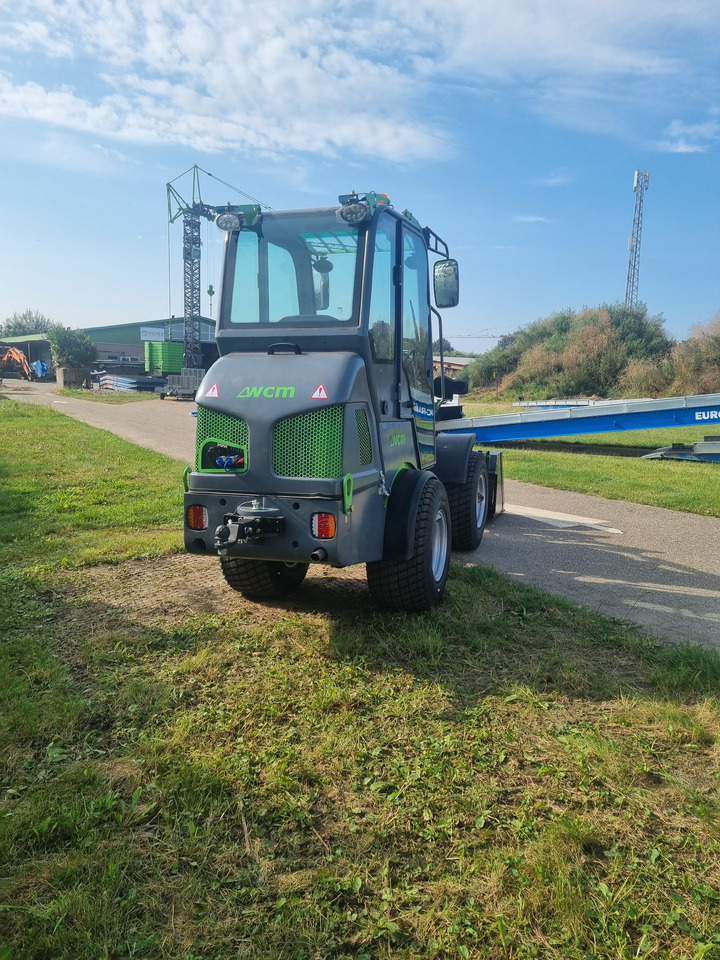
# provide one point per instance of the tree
(447, 347)
(71, 348)
(26, 323)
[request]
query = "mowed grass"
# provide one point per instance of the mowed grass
(74, 495)
(675, 485)
(507, 776)
(672, 484)
(107, 396)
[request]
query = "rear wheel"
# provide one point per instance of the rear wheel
(469, 505)
(418, 583)
(262, 579)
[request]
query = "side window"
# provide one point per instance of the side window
(416, 332)
(245, 307)
(282, 284)
(381, 323)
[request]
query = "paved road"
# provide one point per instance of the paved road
(659, 568)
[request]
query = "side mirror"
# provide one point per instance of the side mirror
(452, 388)
(322, 267)
(446, 280)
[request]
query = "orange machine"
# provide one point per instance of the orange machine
(12, 359)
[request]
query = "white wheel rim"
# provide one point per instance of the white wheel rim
(480, 500)
(439, 544)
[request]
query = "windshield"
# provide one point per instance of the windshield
(293, 269)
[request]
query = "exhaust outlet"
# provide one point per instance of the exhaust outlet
(317, 556)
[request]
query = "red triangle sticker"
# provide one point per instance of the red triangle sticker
(320, 393)
(212, 393)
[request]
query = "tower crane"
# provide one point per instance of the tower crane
(640, 185)
(192, 212)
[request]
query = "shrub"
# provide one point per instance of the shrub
(71, 348)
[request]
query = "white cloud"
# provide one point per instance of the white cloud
(338, 76)
(689, 137)
(529, 218)
(557, 179)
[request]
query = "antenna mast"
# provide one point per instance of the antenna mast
(640, 185)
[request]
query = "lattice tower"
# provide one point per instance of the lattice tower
(640, 185)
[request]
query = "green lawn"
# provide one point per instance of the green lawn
(187, 775)
(673, 484)
(96, 396)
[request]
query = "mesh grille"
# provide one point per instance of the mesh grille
(221, 428)
(361, 422)
(310, 445)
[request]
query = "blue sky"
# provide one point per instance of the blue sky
(512, 129)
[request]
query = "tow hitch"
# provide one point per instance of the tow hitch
(237, 528)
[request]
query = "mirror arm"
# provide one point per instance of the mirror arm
(442, 355)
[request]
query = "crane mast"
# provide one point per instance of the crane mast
(640, 185)
(192, 212)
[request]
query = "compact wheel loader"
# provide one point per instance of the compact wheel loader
(319, 430)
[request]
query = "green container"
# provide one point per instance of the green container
(163, 358)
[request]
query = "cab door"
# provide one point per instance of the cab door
(416, 346)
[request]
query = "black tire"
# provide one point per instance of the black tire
(469, 503)
(418, 583)
(262, 579)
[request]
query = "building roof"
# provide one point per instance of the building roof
(458, 361)
(26, 338)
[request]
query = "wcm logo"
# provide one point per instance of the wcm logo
(269, 392)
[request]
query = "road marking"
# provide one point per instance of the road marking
(713, 617)
(656, 587)
(560, 520)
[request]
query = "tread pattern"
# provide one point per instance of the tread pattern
(466, 533)
(410, 584)
(262, 579)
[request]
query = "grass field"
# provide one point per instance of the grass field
(109, 397)
(188, 775)
(675, 485)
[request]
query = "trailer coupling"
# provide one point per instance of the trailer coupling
(243, 529)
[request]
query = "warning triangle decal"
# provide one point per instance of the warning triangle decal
(320, 393)
(212, 393)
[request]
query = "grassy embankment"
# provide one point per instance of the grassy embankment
(507, 776)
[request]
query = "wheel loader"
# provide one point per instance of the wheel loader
(319, 428)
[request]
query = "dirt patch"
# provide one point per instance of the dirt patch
(14, 386)
(175, 588)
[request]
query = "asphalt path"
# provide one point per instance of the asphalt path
(658, 568)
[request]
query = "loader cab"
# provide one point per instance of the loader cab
(352, 278)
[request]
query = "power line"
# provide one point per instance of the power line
(478, 336)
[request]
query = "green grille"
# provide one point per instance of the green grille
(310, 445)
(361, 422)
(218, 428)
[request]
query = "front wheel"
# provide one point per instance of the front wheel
(262, 579)
(469, 505)
(418, 583)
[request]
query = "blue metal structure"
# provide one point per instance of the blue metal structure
(601, 417)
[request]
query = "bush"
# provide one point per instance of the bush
(71, 348)
(642, 378)
(572, 353)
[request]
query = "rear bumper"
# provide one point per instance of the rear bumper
(269, 528)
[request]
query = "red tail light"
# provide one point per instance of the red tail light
(197, 518)
(323, 526)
